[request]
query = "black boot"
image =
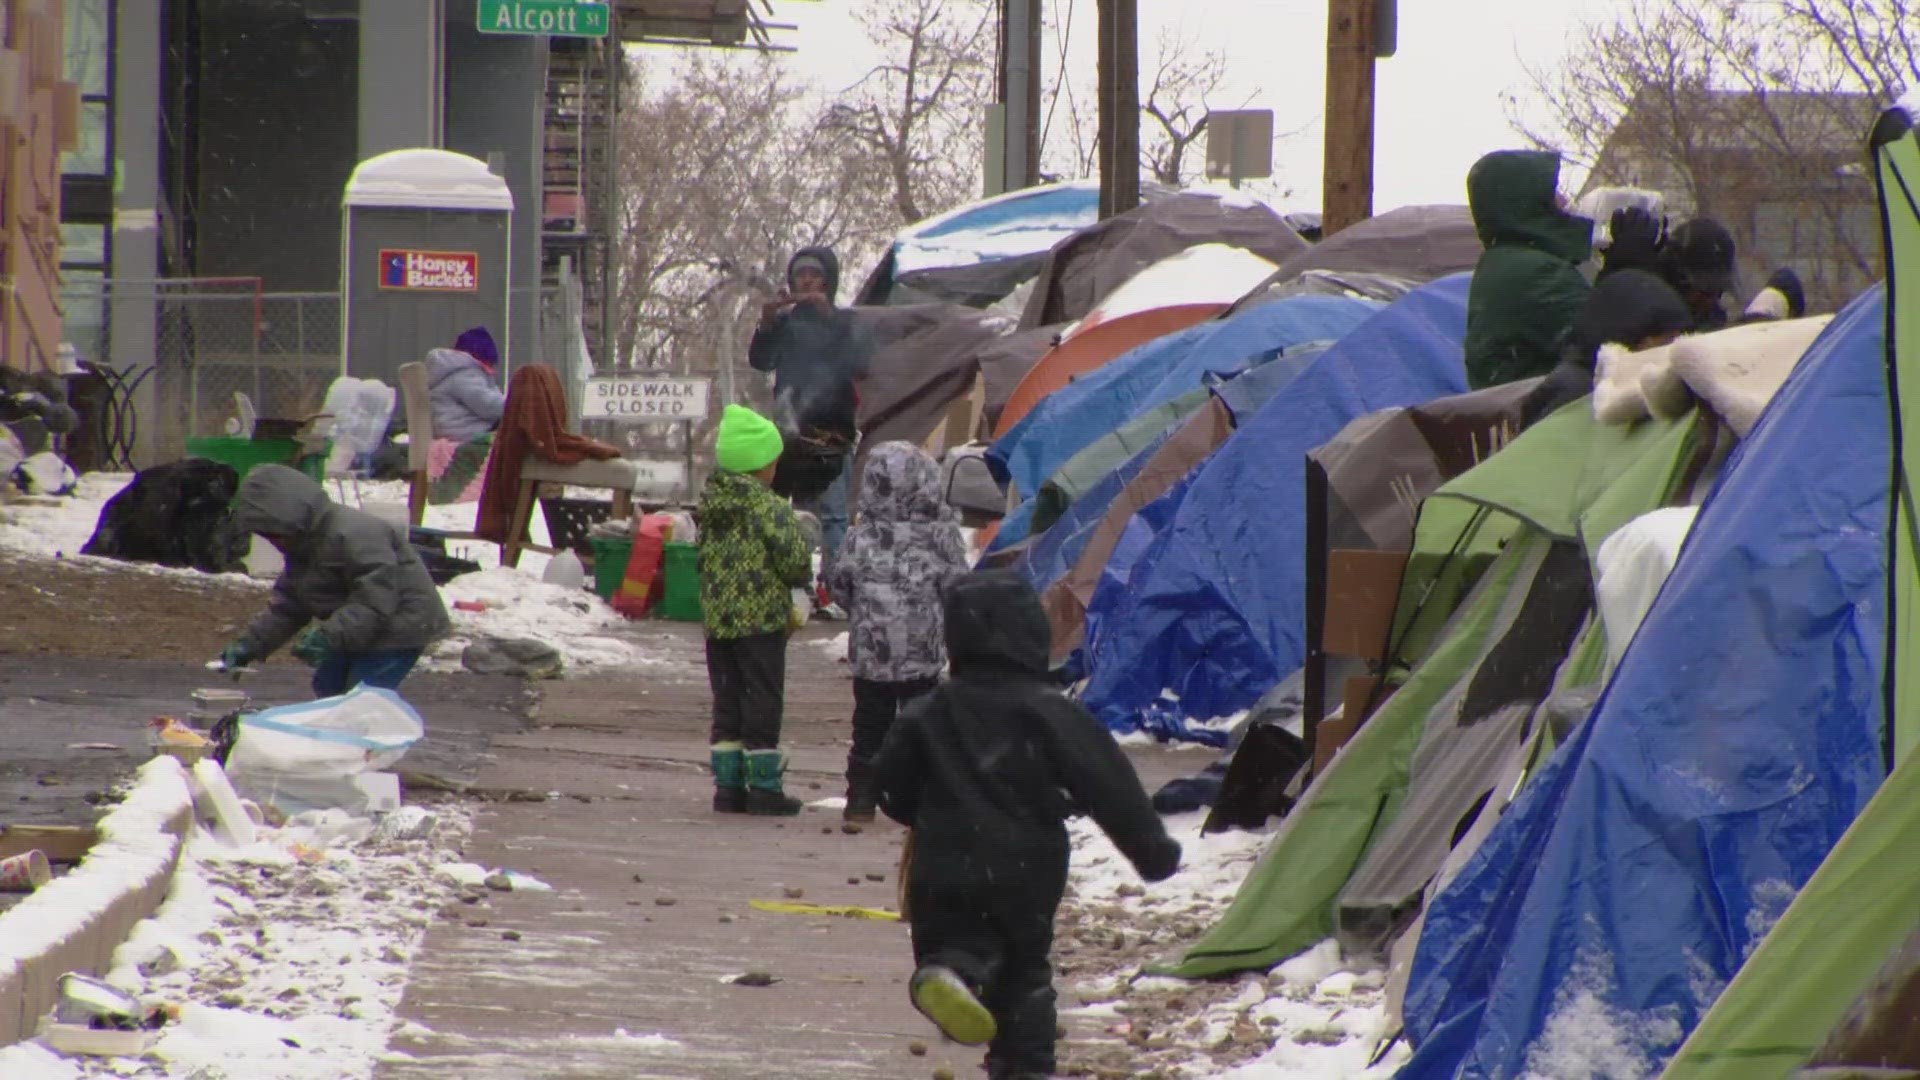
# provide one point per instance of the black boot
(862, 791)
(765, 768)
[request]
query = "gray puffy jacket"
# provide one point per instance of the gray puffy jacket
(893, 565)
(354, 574)
(466, 403)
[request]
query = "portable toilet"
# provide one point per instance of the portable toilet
(428, 244)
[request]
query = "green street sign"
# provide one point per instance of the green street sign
(549, 18)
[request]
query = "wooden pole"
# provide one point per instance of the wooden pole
(1119, 106)
(1348, 181)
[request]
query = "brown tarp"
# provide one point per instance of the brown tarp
(1066, 600)
(1414, 243)
(1082, 269)
(1087, 351)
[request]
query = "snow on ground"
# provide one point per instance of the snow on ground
(1314, 1018)
(286, 958)
(586, 630)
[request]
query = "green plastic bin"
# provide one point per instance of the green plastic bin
(244, 455)
(681, 600)
(610, 557)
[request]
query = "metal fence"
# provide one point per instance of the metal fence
(282, 350)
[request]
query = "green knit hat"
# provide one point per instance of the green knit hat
(747, 442)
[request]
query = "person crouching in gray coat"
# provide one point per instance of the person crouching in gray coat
(356, 578)
(889, 575)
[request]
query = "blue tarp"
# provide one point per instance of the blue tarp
(1058, 550)
(1737, 741)
(1212, 612)
(1075, 416)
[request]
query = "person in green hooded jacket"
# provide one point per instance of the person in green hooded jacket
(752, 555)
(1527, 287)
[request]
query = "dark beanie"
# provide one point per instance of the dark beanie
(477, 343)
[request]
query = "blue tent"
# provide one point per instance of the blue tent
(1058, 550)
(1737, 741)
(1211, 613)
(1073, 417)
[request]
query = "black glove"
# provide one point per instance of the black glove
(1636, 240)
(1788, 284)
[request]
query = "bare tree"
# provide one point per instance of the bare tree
(1186, 81)
(1751, 112)
(727, 167)
(1183, 84)
(917, 112)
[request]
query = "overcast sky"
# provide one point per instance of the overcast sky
(1439, 99)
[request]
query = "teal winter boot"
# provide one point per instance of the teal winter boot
(764, 794)
(729, 761)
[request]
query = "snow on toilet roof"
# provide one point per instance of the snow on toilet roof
(438, 179)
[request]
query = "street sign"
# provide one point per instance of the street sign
(550, 18)
(646, 399)
(1240, 144)
(429, 271)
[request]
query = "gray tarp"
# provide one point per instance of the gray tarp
(1082, 269)
(1414, 243)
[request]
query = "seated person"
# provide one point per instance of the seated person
(467, 406)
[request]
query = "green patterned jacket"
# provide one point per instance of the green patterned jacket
(752, 556)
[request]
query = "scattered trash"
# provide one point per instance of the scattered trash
(845, 911)
(470, 605)
(917, 1048)
(95, 746)
(25, 872)
(793, 892)
(408, 823)
(524, 658)
(751, 978)
(510, 935)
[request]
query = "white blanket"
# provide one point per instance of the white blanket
(1735, 371)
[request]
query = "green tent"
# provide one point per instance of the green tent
(1833, 991)
(1498, 552)
(1109, 452)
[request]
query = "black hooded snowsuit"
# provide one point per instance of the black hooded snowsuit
(814, 356)
(985, 770)
(1624, 308)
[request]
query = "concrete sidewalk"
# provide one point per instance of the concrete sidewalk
(619, 973)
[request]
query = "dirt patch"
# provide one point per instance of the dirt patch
(94, 608)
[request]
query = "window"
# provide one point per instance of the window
(89, 63)
(83, 244)
(83, 311)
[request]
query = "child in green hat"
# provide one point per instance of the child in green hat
(752, 555)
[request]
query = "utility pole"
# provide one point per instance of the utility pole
(1019, 77)
(1352, 44)
(1119, 106)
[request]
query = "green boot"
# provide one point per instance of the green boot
(729, 762)
(764, 793)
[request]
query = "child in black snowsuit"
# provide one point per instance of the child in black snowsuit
(985, 770)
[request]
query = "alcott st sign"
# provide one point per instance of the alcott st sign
(551, 18)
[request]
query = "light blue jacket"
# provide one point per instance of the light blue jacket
(466, 403)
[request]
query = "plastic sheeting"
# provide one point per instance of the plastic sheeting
(1633, 564)
(1738, 740)
(1212, 612)
(1075, 417)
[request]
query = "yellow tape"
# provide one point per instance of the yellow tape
(843, 911)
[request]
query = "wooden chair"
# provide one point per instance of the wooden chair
(415, 399)
(618, 475)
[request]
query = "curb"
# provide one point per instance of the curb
(76, 923)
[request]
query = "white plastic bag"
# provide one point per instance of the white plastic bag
(802, 608)
(308, 756)
(361, 409)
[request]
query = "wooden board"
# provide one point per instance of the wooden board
(60, 843)
(1363, 588)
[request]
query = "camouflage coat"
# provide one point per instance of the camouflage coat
(752, 557)
(894, 564)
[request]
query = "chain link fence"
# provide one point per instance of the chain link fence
(282, 350)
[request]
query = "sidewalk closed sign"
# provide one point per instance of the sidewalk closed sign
(645, 398)
(546, 18)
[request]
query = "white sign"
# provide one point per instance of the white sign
(644, 398)
(657, 478)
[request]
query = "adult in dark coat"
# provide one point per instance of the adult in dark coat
(985, 770)
(372, 607)
(1527, 287)
(814, 351)
(1632, 308)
